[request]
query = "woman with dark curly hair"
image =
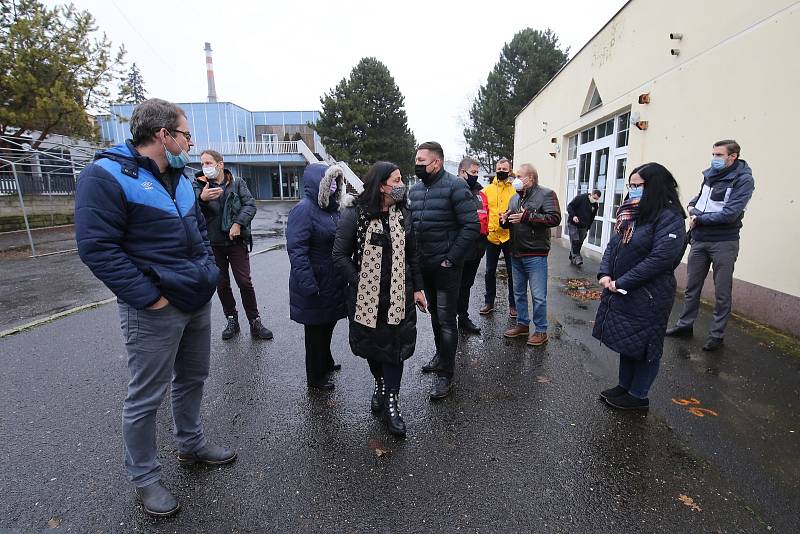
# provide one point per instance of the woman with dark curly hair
(637, 275)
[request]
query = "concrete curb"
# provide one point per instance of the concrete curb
(65, 313)
(49, 318)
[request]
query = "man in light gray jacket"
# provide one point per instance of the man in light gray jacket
(716, 215)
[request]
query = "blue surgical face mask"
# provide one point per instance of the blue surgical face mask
(179, 161)
(717, 163)
(636, 192)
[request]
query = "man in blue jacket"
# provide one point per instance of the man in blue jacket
(140, 230)
(716, 215)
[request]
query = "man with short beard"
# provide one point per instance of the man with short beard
(140, 230)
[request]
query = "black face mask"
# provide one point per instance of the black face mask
(421, 172)
(502, 175)
(472, 180)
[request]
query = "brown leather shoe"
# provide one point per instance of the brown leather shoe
(512, 312)
(516, 331)
(538, 339)
(487, 309)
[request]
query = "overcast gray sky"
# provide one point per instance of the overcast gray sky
(283, 55)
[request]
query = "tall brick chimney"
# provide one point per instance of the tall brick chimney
(212, 90)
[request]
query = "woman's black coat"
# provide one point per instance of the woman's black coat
(386, 343)
(635, 324)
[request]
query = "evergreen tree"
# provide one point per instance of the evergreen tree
(363, 120)
(132, 91)
(53, 69)
(526, 64)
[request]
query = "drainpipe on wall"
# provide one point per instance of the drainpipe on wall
(280, 178)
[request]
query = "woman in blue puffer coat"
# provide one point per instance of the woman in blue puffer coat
(637, 275)
(317, 294)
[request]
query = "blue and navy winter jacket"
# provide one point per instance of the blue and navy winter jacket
(721, 203)
(143, 238)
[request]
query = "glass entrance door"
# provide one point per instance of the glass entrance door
(600, 162)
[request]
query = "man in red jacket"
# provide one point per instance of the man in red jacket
(468, 170)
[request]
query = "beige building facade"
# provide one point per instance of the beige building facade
(662, 81)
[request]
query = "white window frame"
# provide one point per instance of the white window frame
(607, 218)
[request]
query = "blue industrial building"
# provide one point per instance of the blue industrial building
(269, 149)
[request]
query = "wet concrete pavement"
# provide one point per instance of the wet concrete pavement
(522, 445)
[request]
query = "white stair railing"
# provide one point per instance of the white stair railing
(351, 177)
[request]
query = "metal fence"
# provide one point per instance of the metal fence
(40, 175)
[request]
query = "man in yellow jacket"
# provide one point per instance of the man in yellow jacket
(498, 194)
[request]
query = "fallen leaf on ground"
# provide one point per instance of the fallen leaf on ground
(381, 452)
(688, 501)
(584, 294)
(576, 283)
(54, 522)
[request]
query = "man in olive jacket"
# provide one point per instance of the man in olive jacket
(445, 226)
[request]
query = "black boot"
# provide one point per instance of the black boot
(391, 412)
(465, 324)
(441, 387)
(680, 331)
(258, 330)
(157, 500)
(378, 396)
(232, 328)
(432, 365)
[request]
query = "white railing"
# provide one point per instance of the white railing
(244, 148)
(303, 149)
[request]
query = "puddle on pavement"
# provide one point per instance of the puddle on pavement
(274, 232)
(580, 289)
(574, 321)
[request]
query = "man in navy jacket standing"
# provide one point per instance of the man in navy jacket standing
(140, 230)
(445, 221)
(716, 215)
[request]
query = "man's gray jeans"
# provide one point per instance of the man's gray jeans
(722, 255)
(166, 345)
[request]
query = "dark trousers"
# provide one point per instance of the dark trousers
(235, 255)
(319, 360)
(391, 374)
(468, 274)
(637, 375)
(492, 257)
(442, 286)
(576, 238)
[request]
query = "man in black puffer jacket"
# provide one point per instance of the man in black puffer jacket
(581, 212)
(446, 227)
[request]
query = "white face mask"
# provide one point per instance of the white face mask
(211, 172)
(518, 184)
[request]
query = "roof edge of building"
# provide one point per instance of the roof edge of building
(598, 32)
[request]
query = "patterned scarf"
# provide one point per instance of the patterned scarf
(626, 219)
(369, 274)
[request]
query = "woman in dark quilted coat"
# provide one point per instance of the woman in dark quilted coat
(376, 251)
(316, 290)
(637, 275)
